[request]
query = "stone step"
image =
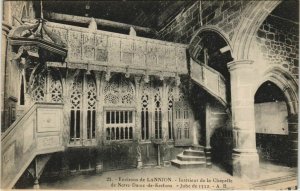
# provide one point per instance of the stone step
(190, 152)
(198, 147)
(187, 164)
(183, 157)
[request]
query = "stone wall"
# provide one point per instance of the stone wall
(278, 40)
(222, 14)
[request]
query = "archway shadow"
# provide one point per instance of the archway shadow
(221, 144)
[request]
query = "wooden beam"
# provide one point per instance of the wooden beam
(101, 22)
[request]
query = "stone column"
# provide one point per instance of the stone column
(5, 31)
(208, 132)
(293, 139)
(244, 155)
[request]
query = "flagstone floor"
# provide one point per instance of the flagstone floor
(167, 178)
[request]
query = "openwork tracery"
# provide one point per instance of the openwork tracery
(182, 123)
(91, 107)
(157, 114)
(145, 119)
(38, 85)
(119, 91)
(55, 88)
(76, 106)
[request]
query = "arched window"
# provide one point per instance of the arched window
(76, 106)
(170, 112)
(157, 114)
(119, 100)
(91, 107)
(145, 118)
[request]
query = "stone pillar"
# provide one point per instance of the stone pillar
(5, 31)
(208, 132)
(244, 155)
(293, 139)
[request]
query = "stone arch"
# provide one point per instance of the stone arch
(252, 18)
(286, 83)
(195, 46)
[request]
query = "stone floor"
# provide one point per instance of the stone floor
(168, 178)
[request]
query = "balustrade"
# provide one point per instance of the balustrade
(209, 79)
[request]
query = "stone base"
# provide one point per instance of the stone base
(245, 165)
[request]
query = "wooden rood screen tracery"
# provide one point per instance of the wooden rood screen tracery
(82, 116)
(182, 122)
(119, 99)
(46, 86)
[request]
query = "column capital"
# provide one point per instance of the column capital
(239, 63)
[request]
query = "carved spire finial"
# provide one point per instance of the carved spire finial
(93, 24)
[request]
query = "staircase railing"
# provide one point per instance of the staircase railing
(210, 80)
(38, 131)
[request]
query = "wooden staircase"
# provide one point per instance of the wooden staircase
(33, 137)
(209, 79)
(191, 158)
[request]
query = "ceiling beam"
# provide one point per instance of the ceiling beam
(101, 22)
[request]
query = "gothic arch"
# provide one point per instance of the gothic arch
(195, 46)
(286, 83)
(252, 18)
(119, 91)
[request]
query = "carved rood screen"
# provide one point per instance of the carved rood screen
(119, 97)
(101, 48)
(83, 108)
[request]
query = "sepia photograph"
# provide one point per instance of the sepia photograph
(149, 94)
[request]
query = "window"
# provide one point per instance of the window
(83, 106)
(145, 117)
(76, 102)
(157, 116)
(91, 107)
(170, 113)
(182, 118)
(119, 124)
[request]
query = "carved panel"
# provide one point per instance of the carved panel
(75, 43)
(127, 48)
(38, 86)
(114, 51)
(119, 91)
(62, 33)
(48, 120)
(76, 93)
(9, 159)
(101, 52)
(88, 46)
(140, 54)
(170, 56)
(55, 88)
(91, 93)
(151, 58)
(28, 134)
(48, 142)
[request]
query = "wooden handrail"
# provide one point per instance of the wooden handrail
(199, 73)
